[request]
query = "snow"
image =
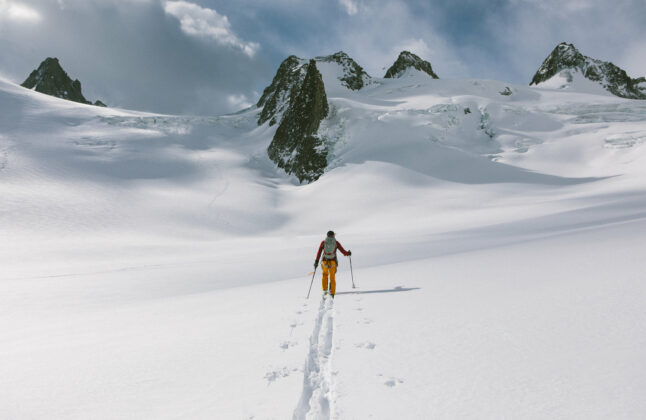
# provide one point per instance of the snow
(156, 266)
(572, 79)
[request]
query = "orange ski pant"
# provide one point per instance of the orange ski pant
(329, 268)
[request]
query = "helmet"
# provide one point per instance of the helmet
(330, 234)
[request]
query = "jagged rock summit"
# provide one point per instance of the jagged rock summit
(407, 60)
(349, 73)
(50, 78)
(565, 60)
(276, 97)
(338, 69)
(296, 146)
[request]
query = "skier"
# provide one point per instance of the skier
(328, 247)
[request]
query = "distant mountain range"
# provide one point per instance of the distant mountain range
(296, 105)
(296, 99)
(50, 78)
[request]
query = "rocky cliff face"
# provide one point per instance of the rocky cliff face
(565, 57)
(290, 76)
(276, 97)
(50, 78)
(296, 147)
(407, 60)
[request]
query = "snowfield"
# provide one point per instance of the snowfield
(156, 266)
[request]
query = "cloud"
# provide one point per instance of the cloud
(18, 12)
(239, 101)
(376, 36)
(207, 23)
(132, 54)
(350, 6)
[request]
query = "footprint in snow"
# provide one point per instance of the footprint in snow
(393, 382)
(274, 375)
(287, 344)
(366, 345)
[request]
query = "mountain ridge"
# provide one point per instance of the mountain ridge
(565, 57)
(407, 60)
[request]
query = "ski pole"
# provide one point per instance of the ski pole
(351, 273)
(311, 283)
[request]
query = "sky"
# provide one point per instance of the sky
(210, 57)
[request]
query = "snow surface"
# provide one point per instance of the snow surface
(572, 79)
(156, 266)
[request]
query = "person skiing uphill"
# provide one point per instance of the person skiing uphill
(328, 248)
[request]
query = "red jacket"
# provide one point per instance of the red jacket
(338, 246)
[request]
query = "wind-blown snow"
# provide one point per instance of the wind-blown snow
(155, 266)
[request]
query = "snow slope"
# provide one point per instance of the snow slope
(156, 266)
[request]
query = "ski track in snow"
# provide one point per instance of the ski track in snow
(317, 398)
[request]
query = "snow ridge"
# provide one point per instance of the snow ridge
(317, 398)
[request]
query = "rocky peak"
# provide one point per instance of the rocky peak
(50, 78)
(408, 60)
(565, 57)
(352, 74)
(290, 75)
(296, 147)
(276, 97)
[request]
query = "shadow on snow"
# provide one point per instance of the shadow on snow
(365, 292)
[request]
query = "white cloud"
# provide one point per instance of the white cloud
(207, 23)
(238, 101)
(18, 12)
(559, 7)
(350, 6)
(376, 48)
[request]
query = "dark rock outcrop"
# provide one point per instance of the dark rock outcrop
(407, 60)
(278, 95)
(612, 78)
(296, 147)
(50, 78)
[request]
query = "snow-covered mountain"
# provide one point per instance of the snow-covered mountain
(407, 62)
(50, 78)
(566, 63)
(156, 266)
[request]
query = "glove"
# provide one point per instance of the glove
(349, 253)
(316, 264)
